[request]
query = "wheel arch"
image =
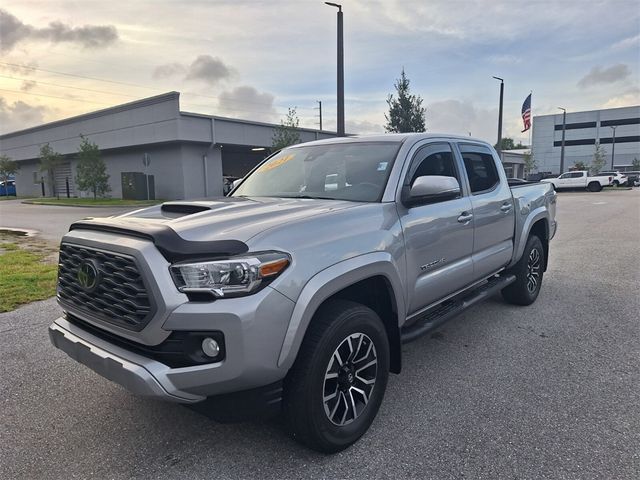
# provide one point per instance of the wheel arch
(537, 222)
(370, 279)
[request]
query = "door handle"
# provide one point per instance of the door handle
(505, 207)
(465, 217)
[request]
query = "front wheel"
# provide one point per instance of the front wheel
(528, 271)
(335, 388)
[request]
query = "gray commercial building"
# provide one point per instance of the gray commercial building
(582, 131)
(187, 153)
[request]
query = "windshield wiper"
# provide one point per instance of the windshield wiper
(312, 197)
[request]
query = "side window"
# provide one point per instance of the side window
(480, 167)
(564, 175)
(433, 159)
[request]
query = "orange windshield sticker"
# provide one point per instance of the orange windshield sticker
(275, 163)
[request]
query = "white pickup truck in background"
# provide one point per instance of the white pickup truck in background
(580, 179)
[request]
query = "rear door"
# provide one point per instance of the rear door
(493, 212)
(438, 235)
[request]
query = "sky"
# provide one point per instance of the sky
(255, 59)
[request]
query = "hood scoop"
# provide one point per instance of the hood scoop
(183, 208)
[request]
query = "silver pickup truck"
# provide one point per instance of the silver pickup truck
(296, 291)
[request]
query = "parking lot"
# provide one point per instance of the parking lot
(547, 391)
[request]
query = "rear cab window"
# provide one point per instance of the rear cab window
(480, 167)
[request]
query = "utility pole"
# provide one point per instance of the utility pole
(500, 116)
(320, 112)
(340, 59)
(613, 146)
(564, 129)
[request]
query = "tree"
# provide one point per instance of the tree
(636, 163)
(8, 167)
(49, 160)
(580, 166)
(599, 159)
(287, 133)
(508, 144)
(406, 113)
(529, 162)
(91, 171)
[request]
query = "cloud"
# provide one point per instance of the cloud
(461, 117)
(626, 99)
(169, 70)
(247, 102)
(362, 127)
(627, 43)
(599, 75)
(13, 31)
(204, 68)
(27, 69)
(19, 115)
(27, 85)
(208, 69)
(505, 58)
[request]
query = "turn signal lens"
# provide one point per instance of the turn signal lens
(273, 268)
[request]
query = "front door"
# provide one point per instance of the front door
(438, 236)
(493, 210)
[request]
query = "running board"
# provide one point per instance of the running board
(438, 315)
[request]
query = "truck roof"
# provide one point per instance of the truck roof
(389, 137)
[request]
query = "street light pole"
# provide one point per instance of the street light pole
(340, 55)
(564, 128)
(613, 146)
(500, 116)
(320, 112)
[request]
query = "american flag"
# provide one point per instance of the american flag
(526, 113)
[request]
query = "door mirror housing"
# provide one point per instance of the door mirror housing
(430, 189)
(237, 182)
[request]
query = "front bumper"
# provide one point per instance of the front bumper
(133, 372)
(253, 328)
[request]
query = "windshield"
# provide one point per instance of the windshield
(356, 172)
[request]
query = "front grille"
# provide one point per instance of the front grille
(118, 296)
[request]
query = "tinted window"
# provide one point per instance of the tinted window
(434, 159)
(480, 167)
(576, 175)
(565, 175)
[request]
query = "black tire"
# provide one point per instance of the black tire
(309, 382)
(529, 272)
(594, 187)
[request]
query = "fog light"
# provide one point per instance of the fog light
(210, 347)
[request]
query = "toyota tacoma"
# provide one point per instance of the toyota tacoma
(296, 291)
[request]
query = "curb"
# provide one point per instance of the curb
(36, 202)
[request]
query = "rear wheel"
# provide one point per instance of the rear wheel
(335, 388)
(594, 187)
(528, 271)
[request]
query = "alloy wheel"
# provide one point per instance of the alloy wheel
(533, 271)
(350, 379)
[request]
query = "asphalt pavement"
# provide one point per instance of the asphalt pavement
(51, 222)
(546, 391)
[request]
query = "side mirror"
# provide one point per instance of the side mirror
(432, 188)
(236, 182)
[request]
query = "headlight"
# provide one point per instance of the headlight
(230, 277)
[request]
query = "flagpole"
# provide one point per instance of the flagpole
(531, 106)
